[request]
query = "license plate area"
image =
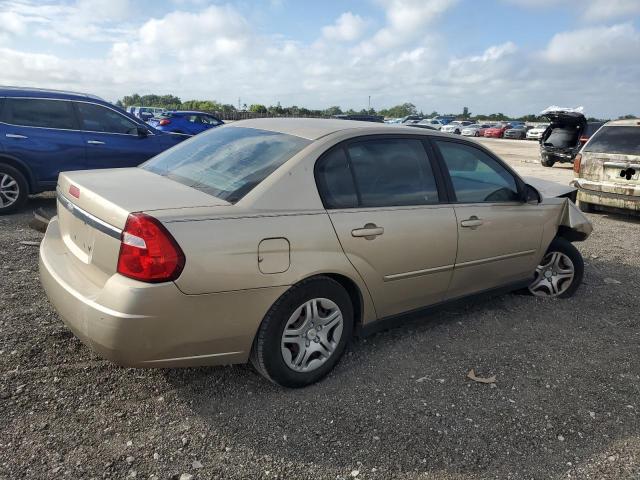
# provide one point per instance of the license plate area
(622, 174)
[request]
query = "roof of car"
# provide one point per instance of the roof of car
(314, 128)
(632, 122)
(39, 92)
(188, 112)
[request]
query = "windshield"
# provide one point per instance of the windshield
(226, 162)
(623, 140)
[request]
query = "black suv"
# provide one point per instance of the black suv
(564, 138)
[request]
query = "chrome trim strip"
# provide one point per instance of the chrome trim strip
(417, 273)
(195, 357)
(482, 261)
(621, 165)
(87, 218)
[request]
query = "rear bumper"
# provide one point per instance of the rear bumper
(151, 325)
(558, 157)
(599, 193)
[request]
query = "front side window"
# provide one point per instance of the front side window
(35, 112)
(622, 140)
(226, 162)
(96, 118)
(476, 176)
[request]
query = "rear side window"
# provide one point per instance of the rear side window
(392, 172)
(32, 112)
(96, 118)
(623, 140)
(226, 162)
(335, 181)
(477, 177)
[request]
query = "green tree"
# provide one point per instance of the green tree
(258, 108)
(335, 110)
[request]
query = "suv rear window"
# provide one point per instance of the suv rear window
(226, 162)
(624, 140)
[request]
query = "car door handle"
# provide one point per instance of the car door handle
(95, 142)
(15, 135)
(471, 222)
(369, 231)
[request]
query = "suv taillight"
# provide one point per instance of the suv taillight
(164, 121)
(576, 163)
(148, 252)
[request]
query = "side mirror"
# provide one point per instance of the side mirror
(142, 131)
(532, 195)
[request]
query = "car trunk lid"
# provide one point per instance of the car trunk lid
(93, 207)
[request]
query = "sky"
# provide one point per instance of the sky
(510, 56)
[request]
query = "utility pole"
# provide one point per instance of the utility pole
(369, 102)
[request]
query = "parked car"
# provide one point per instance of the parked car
(564, 137)
(186, 122)
(497, 131)
(145, 113)
(275, 240)
(361, 117)
(411, 119)
(517, 131)
(455, 127)
(475, 130)
(420, 125)
(536, 132)
(44, 132)
(432, 122)
(608, 167)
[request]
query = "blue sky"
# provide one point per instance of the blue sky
(511, 56)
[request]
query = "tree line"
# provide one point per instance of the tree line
(171, 102)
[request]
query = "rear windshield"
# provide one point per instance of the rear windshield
(624, 140)
(226, 162)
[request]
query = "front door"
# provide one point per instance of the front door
(112, 140)
(383, 200)
(499, 235)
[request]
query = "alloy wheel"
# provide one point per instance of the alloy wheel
(554, 275)
(9, 190)
(311, 334)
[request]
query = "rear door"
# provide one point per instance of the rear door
(43, 134)
(383, 200)
(498, 234)
(113, 140)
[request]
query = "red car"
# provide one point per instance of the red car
(497, 131)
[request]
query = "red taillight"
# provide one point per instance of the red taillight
(148, 252)
(164, 121)
(576, 163)
(74, 191)
(583, 140)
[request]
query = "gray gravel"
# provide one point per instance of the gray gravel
(565, 404)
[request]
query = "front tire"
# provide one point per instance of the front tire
(13, 189)
(304, 334)
(560, 271)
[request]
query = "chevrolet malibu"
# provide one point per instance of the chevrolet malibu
(277, 240)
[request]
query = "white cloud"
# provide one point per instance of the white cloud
(594, 46)
(348, 27)
(406, 21)
(590, 10)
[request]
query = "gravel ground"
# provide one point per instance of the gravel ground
(399, 405)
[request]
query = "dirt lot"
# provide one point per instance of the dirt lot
(565, 405)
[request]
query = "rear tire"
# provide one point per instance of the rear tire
(14, 190)
(560, 271)
(546, 162)
(293, 326)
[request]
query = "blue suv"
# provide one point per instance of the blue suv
(190, 123)
(45, 132)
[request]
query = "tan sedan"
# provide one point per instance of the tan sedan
(276, 240)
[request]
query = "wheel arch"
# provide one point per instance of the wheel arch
(22, 168)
